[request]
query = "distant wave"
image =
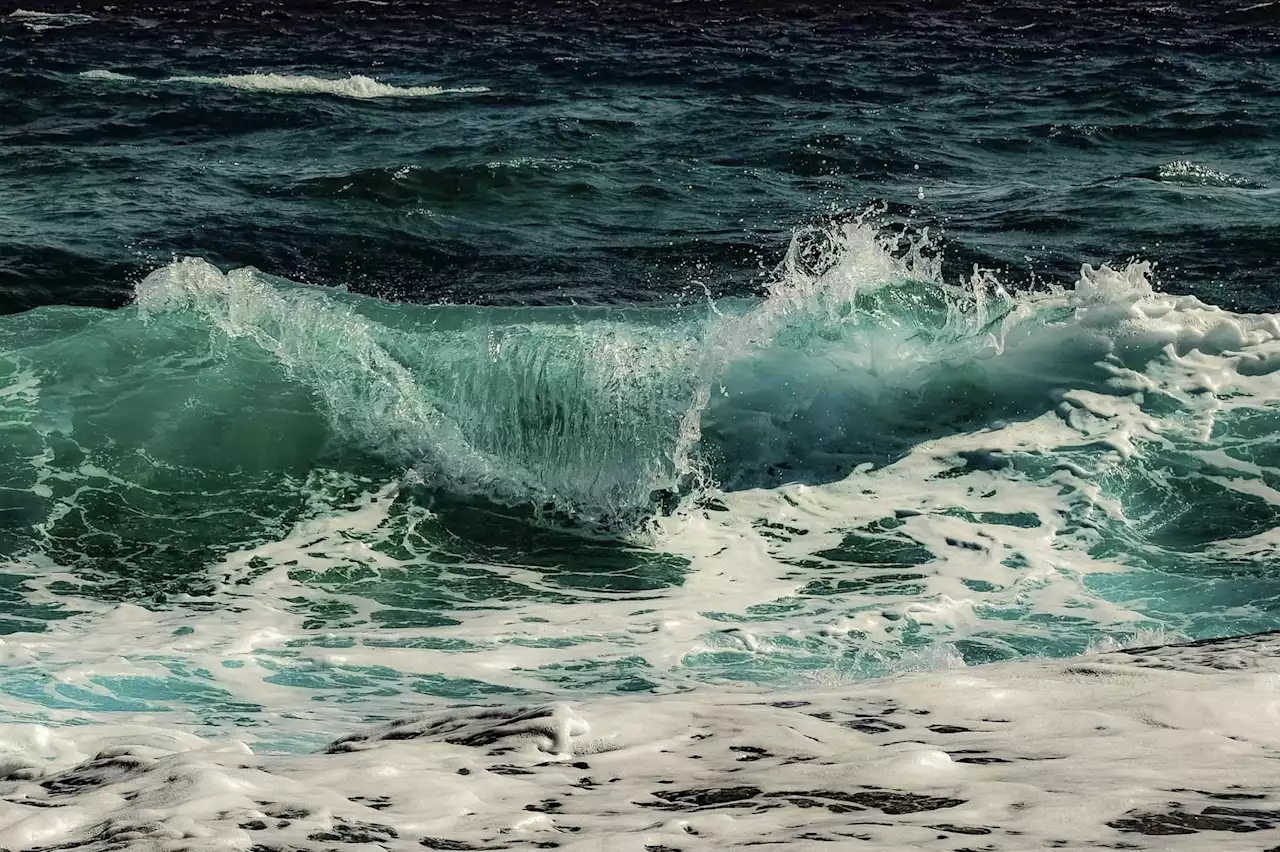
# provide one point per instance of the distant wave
(1187, 173)
(105, 75)
(39, 21)
(355, 86)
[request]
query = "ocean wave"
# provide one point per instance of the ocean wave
(1187, 173)
(859, 353)
(415, 185)
(354, 86)
(576, 412)
(103, 74)
(869, 470)
(40, 21)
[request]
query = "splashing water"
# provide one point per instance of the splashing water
(869, 470)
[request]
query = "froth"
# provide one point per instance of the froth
(39, 21)
(355, 86)
(1021, 756)
(103, 74)
(1188, 173)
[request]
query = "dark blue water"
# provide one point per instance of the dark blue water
(624, 151)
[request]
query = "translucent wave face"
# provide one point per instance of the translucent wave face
(857, 355)
(323, 507)
(582, 415)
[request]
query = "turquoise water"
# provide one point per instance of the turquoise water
(555, 355)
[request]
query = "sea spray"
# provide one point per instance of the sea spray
(859, 352)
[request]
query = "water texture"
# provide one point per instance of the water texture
(447, 368)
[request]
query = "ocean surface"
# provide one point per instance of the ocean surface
(663, 426)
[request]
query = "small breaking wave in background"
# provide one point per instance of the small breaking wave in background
(41, 21)
(355, 86)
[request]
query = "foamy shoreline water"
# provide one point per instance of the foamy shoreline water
(1168, 747)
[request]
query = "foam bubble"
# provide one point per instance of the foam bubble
(103, 74)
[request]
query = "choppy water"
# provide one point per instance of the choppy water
(383, 359)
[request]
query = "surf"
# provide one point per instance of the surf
(868, 469)
(858, 352)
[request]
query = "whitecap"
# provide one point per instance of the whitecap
(103, 74)
(1187, 173)
(40, 21)
(1035, 751)
(354, 86)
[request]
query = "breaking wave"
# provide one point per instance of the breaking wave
(859, 352)
(354, 86)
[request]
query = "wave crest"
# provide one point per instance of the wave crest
(355, 86)
(40, 21)
(1187, 173)
(859, 352)
(578, 414)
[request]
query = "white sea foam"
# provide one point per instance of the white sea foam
(1173, 746)
(103, 74)
(40, 21)
(1188, 173)
(354, 86)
